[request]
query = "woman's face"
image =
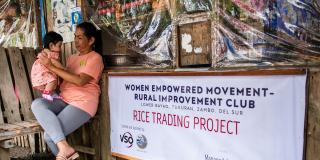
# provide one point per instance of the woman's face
(83, 44)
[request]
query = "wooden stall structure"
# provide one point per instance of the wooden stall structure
(93, 139)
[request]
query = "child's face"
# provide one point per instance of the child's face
(55, 47)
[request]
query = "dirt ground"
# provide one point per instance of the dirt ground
(19, 153)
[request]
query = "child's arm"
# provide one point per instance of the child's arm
(55, 62)
(77, 79)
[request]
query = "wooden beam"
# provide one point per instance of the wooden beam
(49, 17)
(37, 21)
(84, 7)
(18, 132)
(122, 156)
(216, 73)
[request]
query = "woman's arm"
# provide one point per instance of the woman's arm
(79, 80)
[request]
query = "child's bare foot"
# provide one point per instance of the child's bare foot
(47, 97)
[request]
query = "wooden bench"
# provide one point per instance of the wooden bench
(16, 118)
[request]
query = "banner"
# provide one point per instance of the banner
(208, 117)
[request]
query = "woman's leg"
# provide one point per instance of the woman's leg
(46, 113)
(58, 121)
(71, 118)
(53, 147)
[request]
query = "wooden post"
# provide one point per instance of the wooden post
(48, 13)
(68, 49)
(37, 21)
(85, 137)
(104, 113)
(313, 128)
(84, 5)
(95, 133)
(62, 55)
(4, 154)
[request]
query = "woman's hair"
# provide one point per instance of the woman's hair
(90, 31)
(51, 37)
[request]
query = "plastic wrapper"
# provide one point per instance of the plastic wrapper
(141, 31)
(191, 6)
(16, 28)
(267, 32)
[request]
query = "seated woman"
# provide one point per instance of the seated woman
(79, 93)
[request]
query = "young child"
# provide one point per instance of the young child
(41, 78)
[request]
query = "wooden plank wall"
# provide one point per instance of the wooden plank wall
(15, 66)
(10, 101)
(21, 83)
(29, 55)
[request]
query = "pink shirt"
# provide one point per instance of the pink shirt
(40, 75)
(85, 97)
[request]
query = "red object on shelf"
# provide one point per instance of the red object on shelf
(99, 11)
(104, 11)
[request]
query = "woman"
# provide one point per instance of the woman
(79, 93)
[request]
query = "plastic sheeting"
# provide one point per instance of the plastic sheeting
(18, 30)
(247, 32)
(191, 6)
(267, 32)
(142, 26)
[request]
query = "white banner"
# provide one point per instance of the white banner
(208, 117)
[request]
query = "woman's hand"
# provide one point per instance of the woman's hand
(57, 64)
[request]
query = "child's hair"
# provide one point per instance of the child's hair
(51, 37)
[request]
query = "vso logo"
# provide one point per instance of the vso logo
(127, 139)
